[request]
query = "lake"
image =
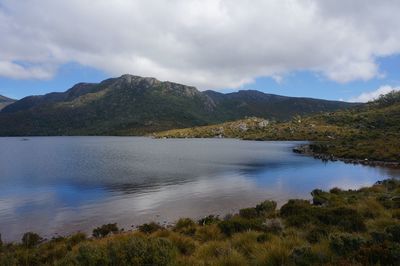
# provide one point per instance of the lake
(53, 185)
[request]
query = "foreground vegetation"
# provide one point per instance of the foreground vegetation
(352, 227)
(370, 131)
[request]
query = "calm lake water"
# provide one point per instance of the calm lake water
(61, 185)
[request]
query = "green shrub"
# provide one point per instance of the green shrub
(299, 220)
(266, 207)
(105, 230)
(184, 244)
(303, 256)
(92, 255)
(141, 251)
(208, 233)
(211, 219)
(30, 239)
(378, 237)
(394, 232)
(185, 226)
(149, 228)
(76, 238)
(248, 213)
(347, 219)
(344, 244)
(335, 190)
(238, 224)
(273, 225)
(319, 197)
(295, 207)
(316, 234)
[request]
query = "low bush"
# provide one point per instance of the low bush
(185, 245)
(238, 224)
(105, 230)
(30, 239)
(266, 208)
(208, 233)
(319, 197)
(210, 219)
(76, 238)
(316, 234)
(303, 256)
(344, 244)
(394, 232)
(149, 228)
(185, 226)
(248, 213)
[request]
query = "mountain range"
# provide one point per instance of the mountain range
(4, 101)
(133, 105)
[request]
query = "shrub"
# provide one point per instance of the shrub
(396, 214)
(348, 219)
(344, 244)
(141, 251)
(295, 207)
(185, 245)
(303, 256)
(211, 219)
(238, 224)
(76, 238)
(394, 232)
(92, 254)
(378, 237)
(248, 213)
(30, 239)
(186, 226)
(316, 234)
(379, 254)
(208, 233)
(149, 228)
(266, 207)
(214, 249)
(105, 230)
(273, 225)
(264, 237)
(319, 197)
(335, 190)
(299, 220)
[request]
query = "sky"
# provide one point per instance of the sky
(323, 49)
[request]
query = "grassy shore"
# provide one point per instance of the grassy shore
(339, 227)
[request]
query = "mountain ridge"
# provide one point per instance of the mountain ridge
(5, 101)
(133, 105)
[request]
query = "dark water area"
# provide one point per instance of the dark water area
(61, 185)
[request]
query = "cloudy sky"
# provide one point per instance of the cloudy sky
(329, 49)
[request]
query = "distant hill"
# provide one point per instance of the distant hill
(4, 101)
(370, 131)
(132, 105)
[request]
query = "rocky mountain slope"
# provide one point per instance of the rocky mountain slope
(132, 105)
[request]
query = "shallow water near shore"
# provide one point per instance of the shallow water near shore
(53, 185)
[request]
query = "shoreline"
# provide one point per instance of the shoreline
(306, 150)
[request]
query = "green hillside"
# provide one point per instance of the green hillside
(132, 105)
(370, 131)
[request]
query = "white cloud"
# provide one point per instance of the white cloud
(372, 95)
(206, 43)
